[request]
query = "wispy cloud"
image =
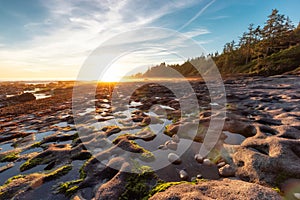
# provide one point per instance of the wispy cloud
(196, 32)
(72, 29)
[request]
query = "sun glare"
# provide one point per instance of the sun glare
(110, 78)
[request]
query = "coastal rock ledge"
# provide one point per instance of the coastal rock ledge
(218, 189)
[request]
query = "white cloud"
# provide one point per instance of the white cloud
(196, 32)
(73, 29)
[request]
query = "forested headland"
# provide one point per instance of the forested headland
(269, 49)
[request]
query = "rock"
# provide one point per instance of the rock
(268, 160)
(218, 189)
(199, 158)
(174, 158)
(171, 145)
(199, 176)
(183, 174)
(206, 161)
(297, 195)
(269, 121)
(151, 120)
(137, 118)
(146, 134)
(22, 98)
(175, 138)
(227, 170)
(78, 197)
(221, 164)
(235, 126)
(114, 187)
(110, 130)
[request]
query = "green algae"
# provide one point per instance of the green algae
(30, 163)
(10, 156)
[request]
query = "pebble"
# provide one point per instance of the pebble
(183, 174)
(175, 138)
(199, 158)
(199, 176)
(174, 158)
(221, 164)
(206, 161)
(171, 145)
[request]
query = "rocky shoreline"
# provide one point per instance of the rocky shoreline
(106, 150)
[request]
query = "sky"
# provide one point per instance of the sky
(56, 39)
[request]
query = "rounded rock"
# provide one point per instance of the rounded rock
(221, 164)
(171, 145)
(183, 175)
(174, 158)
(206, 161)
(199, 176)
(199, 158)
(175, 138)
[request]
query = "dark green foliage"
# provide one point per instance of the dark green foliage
(262, 50)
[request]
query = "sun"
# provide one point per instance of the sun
(109, 77)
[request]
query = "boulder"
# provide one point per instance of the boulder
(270, 160)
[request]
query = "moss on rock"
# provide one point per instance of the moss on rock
(69, 188)
(10, 156)
(138, 184)
(30, 163)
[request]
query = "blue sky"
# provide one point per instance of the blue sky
(42, 39)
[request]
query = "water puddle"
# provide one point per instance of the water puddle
(101, 118)
(135, 104)
(6, 147)
(31, 150)
(61, 124)
(45, 191)
(233, 138)
(70, 132)
(40, 136)
(42, 96)
(16, 171)
(166, 107)
(87, 111)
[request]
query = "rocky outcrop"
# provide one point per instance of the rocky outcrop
(219, 190)
(269, 160)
